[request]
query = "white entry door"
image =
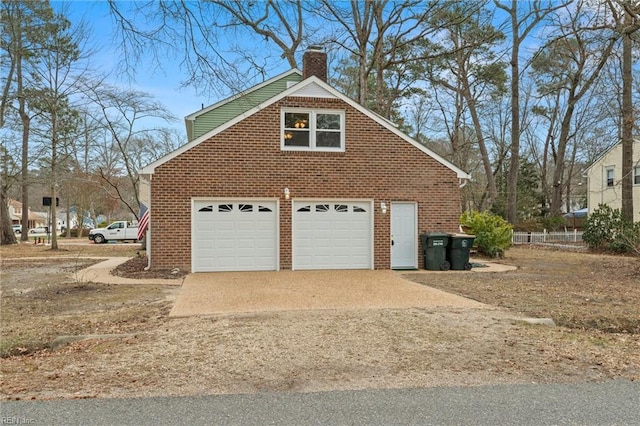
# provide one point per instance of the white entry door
(404, 238)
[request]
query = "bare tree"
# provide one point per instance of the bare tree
(26, 27)
(386, 39)
(472, 73)
(206, 37)
(522, 23)
(130, 144)
(570, 63)
(54, 80)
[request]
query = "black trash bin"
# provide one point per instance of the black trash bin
(434, 249)
(458, 251)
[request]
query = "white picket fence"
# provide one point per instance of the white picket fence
(544, 237)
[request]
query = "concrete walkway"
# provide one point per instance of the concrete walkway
(101, 273)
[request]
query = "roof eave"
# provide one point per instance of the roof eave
(194, 115)
(460, 174)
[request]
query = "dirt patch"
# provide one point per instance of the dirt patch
(578, 290)
(316, 350)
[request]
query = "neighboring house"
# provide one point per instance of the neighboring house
(295, 175)
(75, 219)
(15, 213)
(604, 180)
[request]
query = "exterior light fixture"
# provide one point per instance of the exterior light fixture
(383, 207)
(287, 194)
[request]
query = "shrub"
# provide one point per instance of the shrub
(529, 225)
(76, 233)
(550, 223)
(493, 233)
(606, 229)
(553, 223)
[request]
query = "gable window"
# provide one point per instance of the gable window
(610, 177)
(312, 130)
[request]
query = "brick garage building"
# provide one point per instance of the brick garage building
(302, 179)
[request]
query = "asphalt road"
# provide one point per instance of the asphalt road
(610, 403)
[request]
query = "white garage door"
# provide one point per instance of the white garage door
(235, 236)
(332, 235)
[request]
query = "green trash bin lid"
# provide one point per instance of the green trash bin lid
(461, 241)
(436, 239)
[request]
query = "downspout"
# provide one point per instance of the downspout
(146, 268)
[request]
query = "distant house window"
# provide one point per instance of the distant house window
(636, 175)
(311, 130)
(610, 177)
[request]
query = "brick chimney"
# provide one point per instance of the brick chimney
(314, 62)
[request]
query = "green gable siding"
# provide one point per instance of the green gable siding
(210, 120)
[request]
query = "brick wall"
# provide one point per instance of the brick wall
(246, 161)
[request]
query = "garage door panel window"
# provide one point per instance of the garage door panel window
(225, 208)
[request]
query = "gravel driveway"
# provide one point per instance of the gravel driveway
(240, 292)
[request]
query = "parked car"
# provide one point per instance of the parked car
(17, 229)
(39, 230)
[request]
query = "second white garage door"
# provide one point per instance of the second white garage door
(235, 236)
(332, 235)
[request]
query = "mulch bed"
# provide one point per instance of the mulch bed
(134, 268)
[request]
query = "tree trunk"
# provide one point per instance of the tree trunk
(486, 161)
(627, 123)
(26, 125)
(8, 236)
(514, 162)
(54, 164)
(558, 174)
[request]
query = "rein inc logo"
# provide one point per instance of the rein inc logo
(15, 420)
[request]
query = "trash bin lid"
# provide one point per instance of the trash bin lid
(437, 234)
